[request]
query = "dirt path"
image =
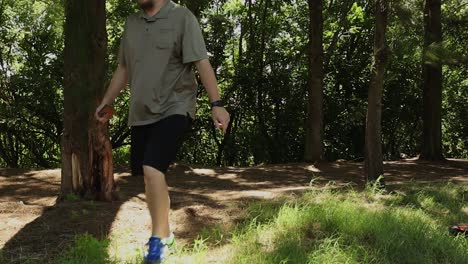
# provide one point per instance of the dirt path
(32, 224)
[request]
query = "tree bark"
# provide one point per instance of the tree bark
(373, 166)
(87, 168)
(314, 121)
(432, 85)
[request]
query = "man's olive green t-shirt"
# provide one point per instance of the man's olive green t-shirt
(158, 52)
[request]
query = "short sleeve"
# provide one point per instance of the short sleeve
(193, 44)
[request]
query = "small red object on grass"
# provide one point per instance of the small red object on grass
(459, 229)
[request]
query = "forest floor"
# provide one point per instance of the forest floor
(34, 227)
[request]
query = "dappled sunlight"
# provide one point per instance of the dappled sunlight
(204, 171)
(200, 198)
(228, 176)
(30, 187)
(42, 227)
(312, 168)
(260, 193)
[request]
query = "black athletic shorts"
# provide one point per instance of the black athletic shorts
(157, 144)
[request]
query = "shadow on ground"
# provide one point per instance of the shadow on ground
(39, 229)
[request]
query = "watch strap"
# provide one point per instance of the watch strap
(217, 103)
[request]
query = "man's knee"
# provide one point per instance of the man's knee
(152, 175)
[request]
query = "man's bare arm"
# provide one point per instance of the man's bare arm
(208, 78)
(219, 114)
(117, 84)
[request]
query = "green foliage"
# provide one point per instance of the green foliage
(259, 52)
(30, 77)
(455, 93)
(72, 197)
(121, 155)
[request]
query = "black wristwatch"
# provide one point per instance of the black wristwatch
(217, 103)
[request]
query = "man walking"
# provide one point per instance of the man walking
(159, 46)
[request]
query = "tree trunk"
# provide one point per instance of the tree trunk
(314, 120)
(87, 168)
(373, 166)
(432, 85)
(264, 137)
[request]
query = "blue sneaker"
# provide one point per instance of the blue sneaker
(157, 250)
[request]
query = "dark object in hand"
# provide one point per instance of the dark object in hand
(107, 110)
(459, 229)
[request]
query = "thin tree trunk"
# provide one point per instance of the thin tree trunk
(432, 85)
(314, 122)
(251, 41)
(342, 26)
(260, 83)
(373, 166)
(87, 168)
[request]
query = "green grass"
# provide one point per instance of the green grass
(327, 226)
(86, 249)
(72, 197)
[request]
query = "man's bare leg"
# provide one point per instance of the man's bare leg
(158, 201)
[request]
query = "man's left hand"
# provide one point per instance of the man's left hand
(220, 117)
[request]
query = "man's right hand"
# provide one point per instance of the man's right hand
(103, 118)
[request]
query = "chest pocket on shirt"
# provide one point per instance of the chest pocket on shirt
(164, 38)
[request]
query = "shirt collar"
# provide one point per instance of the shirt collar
(162, 13)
